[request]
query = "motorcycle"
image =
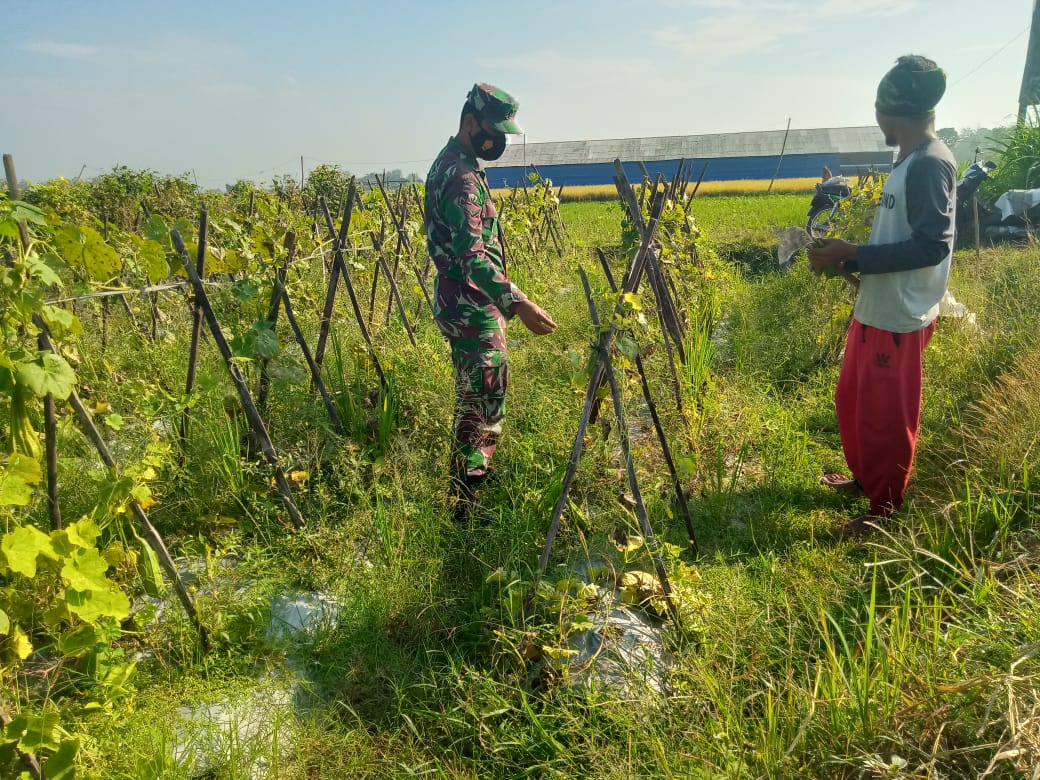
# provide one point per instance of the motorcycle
(967, 188)
(823, 208)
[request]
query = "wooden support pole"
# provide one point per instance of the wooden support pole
(596, 379)
(196, 332)
(780, 161)
(606, 269)
(345, 273)
(666, 450)
(330, 406)
(148, 531)
(697, 186)
(50, 436)
(14, 192)
(330, 295)
(652, 545)
(248, 407)
(49, 415)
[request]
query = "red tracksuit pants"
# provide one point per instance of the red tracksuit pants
(878, 401)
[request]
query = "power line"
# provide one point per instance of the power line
(990, 57)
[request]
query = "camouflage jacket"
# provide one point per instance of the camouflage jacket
(462, 236)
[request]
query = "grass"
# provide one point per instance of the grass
(909, 656)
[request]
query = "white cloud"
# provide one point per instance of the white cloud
(729, 36)
(731, 29)
(71, 51)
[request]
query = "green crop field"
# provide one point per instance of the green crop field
(787, 651)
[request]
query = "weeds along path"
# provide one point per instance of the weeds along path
(911, 655)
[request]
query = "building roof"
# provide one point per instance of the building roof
(765, 143)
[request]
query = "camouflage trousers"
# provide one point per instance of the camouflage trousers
(477, 336)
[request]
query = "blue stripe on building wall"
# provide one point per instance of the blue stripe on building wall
(719, 169)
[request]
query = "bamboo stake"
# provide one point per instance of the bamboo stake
(345, 273)
(606, 339)
(396, 294)
(274, 305)
(248, 407)
(666, 450)
(330, 295)
(196, 331)
(151, 535)
(626, 453)
(49, 414)
(697, 186)
(606, 268)
(50, 435)
(330, 407)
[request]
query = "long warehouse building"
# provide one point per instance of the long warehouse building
(729, 156)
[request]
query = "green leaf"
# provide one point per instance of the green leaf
(627, 347)
(26, 468)
(38, 732)
(43, 270)
(14, 491)
(61, 321)
(84, 570)
(156, 230)
(79, 642)
(152, 258)
(5, 623)
(49, 373)
(62, 765)
(17, 479)
(259, 341)
(92, 605)
(114, 421)
(84, 247)
(245, 289)
(22, 211)
(266, 342)
(20, 643)
(22, 546)
(83, 533)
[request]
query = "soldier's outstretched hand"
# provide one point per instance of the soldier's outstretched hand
(535, 318)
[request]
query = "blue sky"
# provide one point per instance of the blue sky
(232, 89)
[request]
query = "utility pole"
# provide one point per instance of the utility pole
(1030, 92)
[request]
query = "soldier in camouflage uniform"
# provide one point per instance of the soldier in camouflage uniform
(473, 298)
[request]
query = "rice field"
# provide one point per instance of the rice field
(596, 192)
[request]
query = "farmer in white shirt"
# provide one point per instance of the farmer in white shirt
(903, 270)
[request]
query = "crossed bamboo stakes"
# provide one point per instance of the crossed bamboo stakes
(644, 261)
(203, 312)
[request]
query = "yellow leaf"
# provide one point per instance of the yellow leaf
(101, 407)
(20, 643)
(147, 502)
(299, 477)
(632, 300)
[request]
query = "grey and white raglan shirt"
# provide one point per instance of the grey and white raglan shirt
(905, 265)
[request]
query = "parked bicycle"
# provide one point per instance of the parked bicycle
(824, 207)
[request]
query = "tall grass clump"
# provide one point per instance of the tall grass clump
(1019, 167)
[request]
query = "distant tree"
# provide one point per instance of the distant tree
(949, 136)
(329, 181)
(988, 140)
(287, 188)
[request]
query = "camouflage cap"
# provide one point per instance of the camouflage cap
(496, 106)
